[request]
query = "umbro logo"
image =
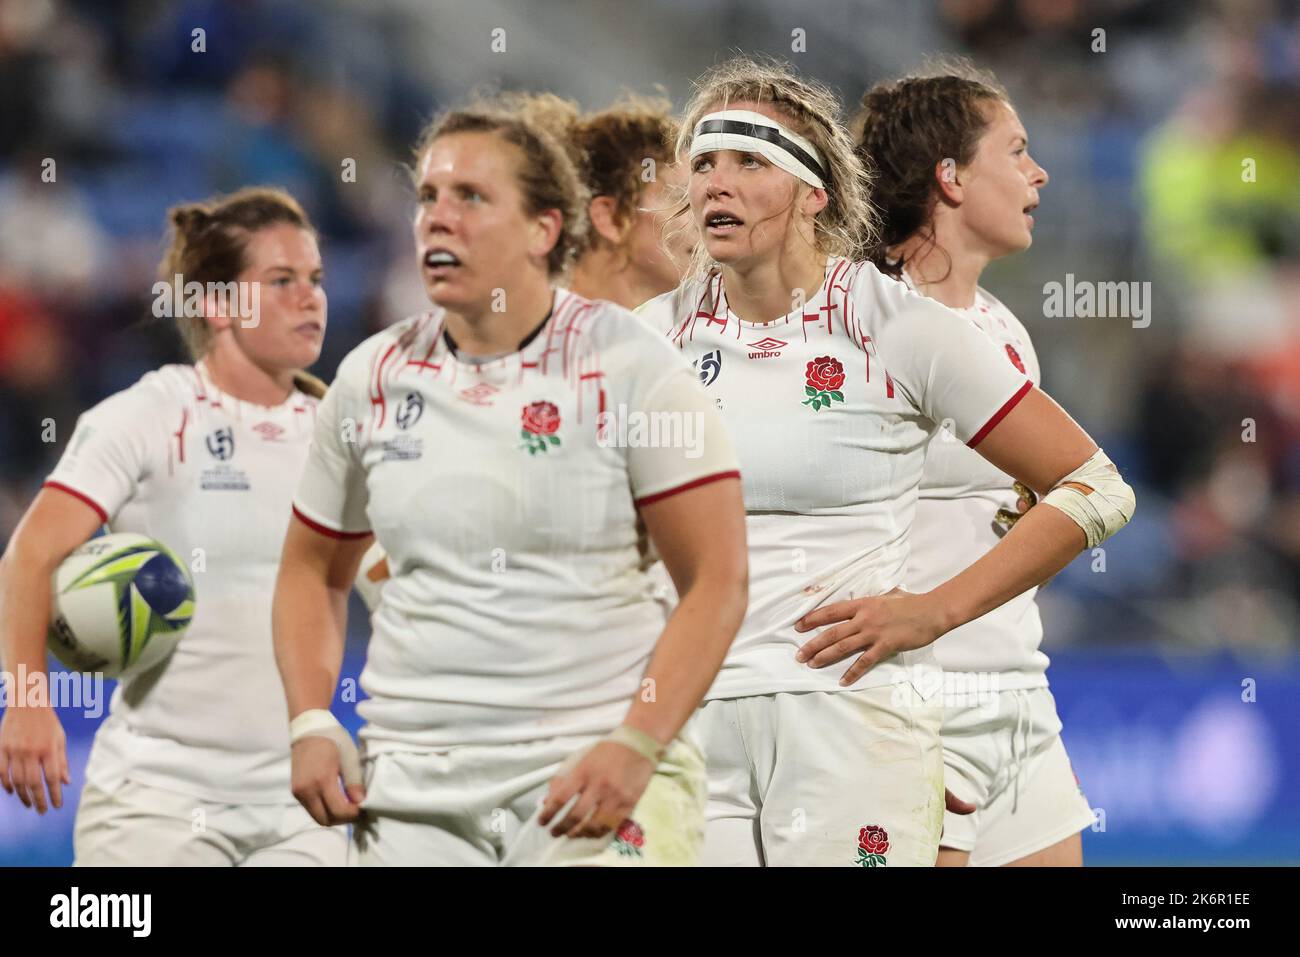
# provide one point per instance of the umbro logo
(269, 431)
(768, 348)
(480, 394)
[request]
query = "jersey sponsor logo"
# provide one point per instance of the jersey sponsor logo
(221, 444)
(409, 410)
(873, 845)
(823, 380)
(768, 348)
(538, 423)
(269, 431)
(709, 366)
(480, 394)
(1014, 356)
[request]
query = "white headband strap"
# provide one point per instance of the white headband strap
(756, 133)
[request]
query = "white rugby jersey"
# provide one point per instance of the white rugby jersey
(518, 605)
(212, 477)
(954, 528)
(830, 408)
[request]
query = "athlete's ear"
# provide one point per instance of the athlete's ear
(216, 312)
(545, 233)
(949, 179)
(603, 211)
(814, 201)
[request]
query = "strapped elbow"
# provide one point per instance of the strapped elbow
(1105, 508)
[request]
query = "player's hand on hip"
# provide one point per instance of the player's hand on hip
(955, 805)
(315, 782)
(608, 780)
(1026, 499)
(877, 627)
(33, 756)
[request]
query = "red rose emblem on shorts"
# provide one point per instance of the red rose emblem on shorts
(1014, 356)
(630, 839)
(631, 832)
(873, 845)
(539, 422)
(825, 378)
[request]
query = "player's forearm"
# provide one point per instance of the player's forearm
(24, 607)
(689, 653)
(308, 622)
(1039, 545)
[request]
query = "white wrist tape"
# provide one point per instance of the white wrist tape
(366, 586)
(640, 742)
(322, 724)
(1103, 511)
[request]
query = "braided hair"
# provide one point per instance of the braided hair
(904, 129)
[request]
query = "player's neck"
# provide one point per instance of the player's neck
(491, 333)
(948, 272)
(766, 291)
(235, 374)
(605, 273)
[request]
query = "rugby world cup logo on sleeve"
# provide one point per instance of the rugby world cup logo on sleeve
(873, 845)
(825, 378)
(539, 422)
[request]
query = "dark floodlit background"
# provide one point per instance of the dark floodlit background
(1174, 158)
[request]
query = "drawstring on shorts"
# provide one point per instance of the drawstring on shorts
(1019, 743)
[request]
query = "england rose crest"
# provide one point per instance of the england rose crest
(538, 424)
(873, 845)
(630, 839)
(825, 377)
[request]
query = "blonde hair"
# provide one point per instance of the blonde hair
(546, 173)
(308, 384)
(847, 225)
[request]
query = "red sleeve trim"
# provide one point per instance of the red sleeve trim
(660, 496)
(1000, 414)
(329, 532)
(103, 516)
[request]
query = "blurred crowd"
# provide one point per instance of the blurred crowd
(1171, 131)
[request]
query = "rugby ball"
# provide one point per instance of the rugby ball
(121, 604)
